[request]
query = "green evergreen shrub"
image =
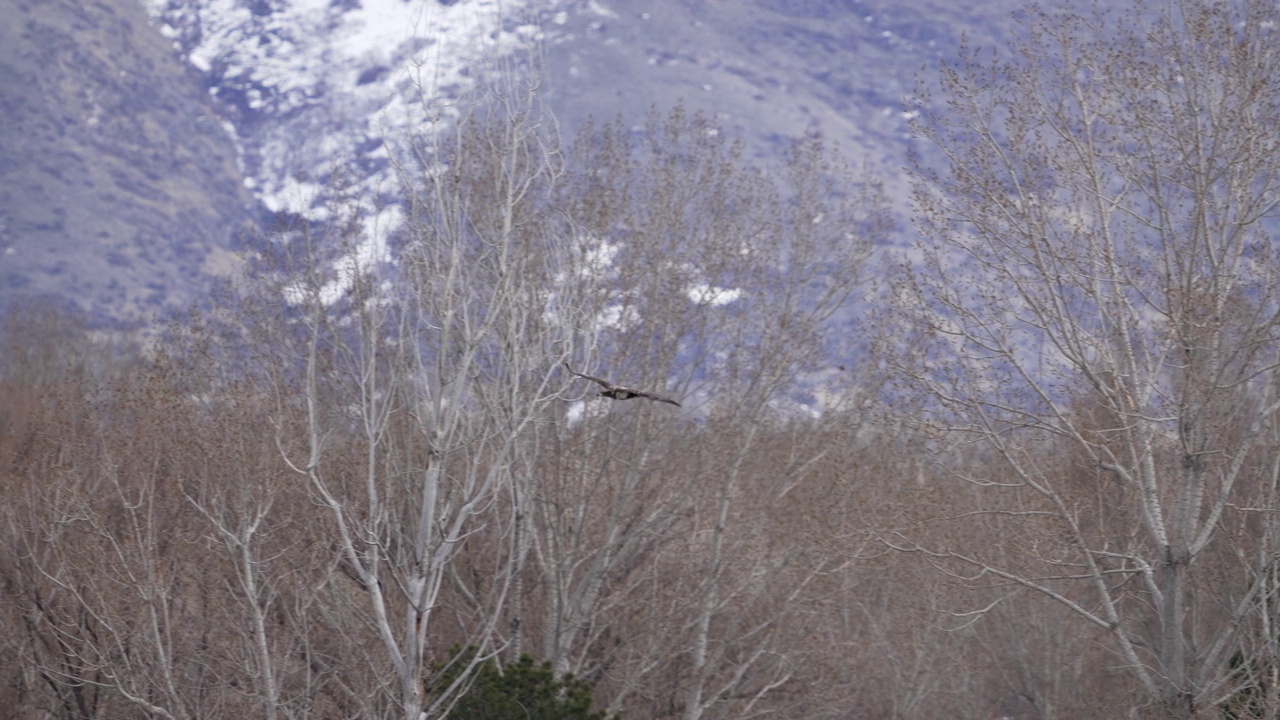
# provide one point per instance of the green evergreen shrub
(520, 690)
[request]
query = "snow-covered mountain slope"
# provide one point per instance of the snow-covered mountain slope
(299, 88)
(309, 84)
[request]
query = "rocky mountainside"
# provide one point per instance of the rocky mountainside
(769, 70)
(139, 139)
(119, 187)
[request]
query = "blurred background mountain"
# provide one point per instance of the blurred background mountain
(119, 189)
(141, 142)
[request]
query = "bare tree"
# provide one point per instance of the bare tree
(1103, 225)
(104, 550)
(729, 290)
(411, 397)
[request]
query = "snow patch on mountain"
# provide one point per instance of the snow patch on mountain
(313, 87)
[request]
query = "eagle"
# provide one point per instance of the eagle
(618, 392)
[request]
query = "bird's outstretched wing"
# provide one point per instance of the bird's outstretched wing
(602, 383)
(653, 396)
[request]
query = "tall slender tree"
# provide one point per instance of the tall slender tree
(1103, 224)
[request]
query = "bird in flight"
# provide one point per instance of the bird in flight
(618, 392)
